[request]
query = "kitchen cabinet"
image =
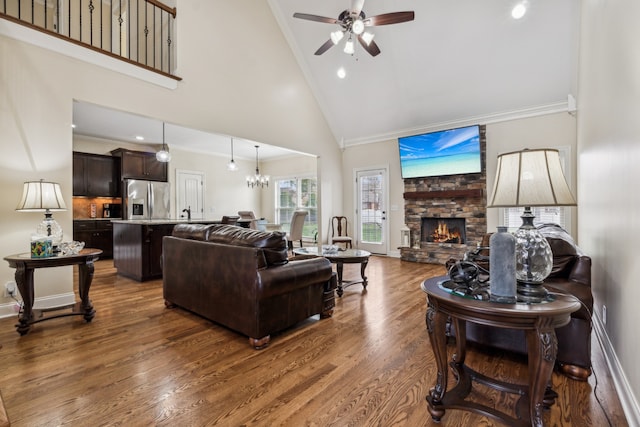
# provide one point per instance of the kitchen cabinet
(138, 249)
(140, 165)
(95, 175)
(96, 234)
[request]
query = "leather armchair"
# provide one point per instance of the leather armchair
(571, 274)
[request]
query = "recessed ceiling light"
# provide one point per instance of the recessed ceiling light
(519, 10)
(140, 138)
(73, 125)
(341, 73)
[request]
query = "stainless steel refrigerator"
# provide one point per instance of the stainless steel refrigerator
(147, 199)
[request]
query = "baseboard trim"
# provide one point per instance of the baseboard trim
(49, 302)
(627, 398)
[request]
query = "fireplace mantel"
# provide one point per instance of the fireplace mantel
(444, 194)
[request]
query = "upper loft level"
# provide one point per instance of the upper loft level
(138, 32)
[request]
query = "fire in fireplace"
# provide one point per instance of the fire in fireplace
(443, 230)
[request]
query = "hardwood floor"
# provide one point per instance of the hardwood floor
(141, 364)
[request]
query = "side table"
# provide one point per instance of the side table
(538, 320)
(25, 266)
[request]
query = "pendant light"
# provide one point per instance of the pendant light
(163, 155)
(257, 180)
(232, 166)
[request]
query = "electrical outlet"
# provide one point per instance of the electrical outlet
(604, 314)
(9, 289)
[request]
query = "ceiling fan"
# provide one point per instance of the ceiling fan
(353, 23)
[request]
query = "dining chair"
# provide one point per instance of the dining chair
(295, 230)
(339, 233)
(250, 216)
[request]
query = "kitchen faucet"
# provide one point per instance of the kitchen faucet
(188, 211)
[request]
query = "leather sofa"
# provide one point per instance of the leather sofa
(571, 274)
(243, 279)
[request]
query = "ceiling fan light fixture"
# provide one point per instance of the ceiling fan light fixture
(357, 26)
(349, 47)
(367, 37)
(336, 36)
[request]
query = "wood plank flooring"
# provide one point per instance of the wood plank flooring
(141, 364)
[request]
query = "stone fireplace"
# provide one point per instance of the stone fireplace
(446, 202)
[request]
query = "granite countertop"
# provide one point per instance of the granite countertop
(95, 219)
(165, 221)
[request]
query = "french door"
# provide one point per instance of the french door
(371, 210)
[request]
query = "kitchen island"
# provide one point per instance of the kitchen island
(137, 246)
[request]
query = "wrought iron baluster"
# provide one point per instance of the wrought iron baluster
(146, 35)
(169, 45)
(91, 7)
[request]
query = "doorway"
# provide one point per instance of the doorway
(190, 193)
(371, 210)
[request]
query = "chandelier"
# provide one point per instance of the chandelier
(257, 180)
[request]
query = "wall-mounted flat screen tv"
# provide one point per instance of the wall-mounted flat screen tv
(447, 152)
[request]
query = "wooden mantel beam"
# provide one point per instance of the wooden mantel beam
(444, 194)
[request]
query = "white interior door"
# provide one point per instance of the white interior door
(190, 194)
(371, 210)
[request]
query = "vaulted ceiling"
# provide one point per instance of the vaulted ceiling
(457, 62)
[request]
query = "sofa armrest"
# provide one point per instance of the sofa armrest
(293, 275)
(581, 270)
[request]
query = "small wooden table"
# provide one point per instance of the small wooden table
(25, 266)
(538, 320)
(339, 258)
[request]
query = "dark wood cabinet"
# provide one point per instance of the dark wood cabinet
(140, 165)
(95, 175)
(95, 234)
(138, 249)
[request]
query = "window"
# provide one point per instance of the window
(555, 214)
(297, 193)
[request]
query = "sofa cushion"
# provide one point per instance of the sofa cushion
(191, 231)
(273, 244)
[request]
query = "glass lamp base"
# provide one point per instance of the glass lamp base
(531, 292)
(50, 228)
(534, 259)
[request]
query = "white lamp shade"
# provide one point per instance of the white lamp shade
(530, 178)
(40, 195)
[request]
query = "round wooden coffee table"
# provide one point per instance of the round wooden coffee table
(339, 258)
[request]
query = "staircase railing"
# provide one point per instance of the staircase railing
(141, 32)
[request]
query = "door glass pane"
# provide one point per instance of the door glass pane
(371, 208)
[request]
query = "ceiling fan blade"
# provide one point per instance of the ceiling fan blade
(325, 47)
(389, 18)
(372, 47)
(315, 18)
(356, 6)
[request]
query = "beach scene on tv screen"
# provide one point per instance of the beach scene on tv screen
(455, 151)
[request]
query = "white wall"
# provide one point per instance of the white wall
(547, 131)
(608, 173)
(221, 92)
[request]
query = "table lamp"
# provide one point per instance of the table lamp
(531, 178)
(42, 196)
